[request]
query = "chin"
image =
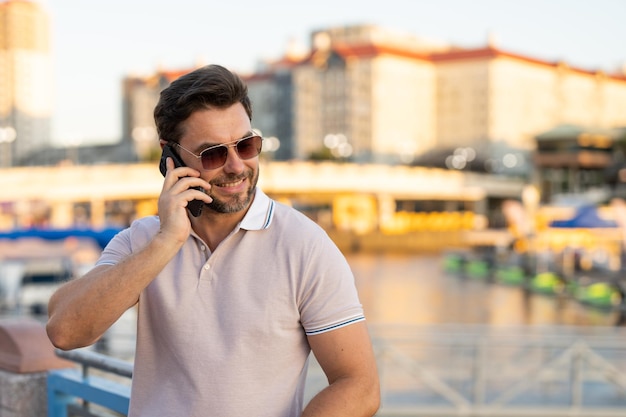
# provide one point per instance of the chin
(236, 204)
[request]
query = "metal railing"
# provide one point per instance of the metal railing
(475, 371)
(76, 393)
(489, 371)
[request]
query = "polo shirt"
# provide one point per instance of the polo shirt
(225, 333)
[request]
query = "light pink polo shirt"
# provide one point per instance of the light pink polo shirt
(224, 334)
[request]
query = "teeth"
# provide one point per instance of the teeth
(230, 184)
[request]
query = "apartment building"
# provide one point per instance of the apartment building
(399, 97)
(371, 94)
(140, 94)
(25, 80)
(371, 88)
(488, 94)
(271, 94)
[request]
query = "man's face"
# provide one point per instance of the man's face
(233, 184)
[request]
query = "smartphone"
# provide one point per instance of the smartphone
(194, 206)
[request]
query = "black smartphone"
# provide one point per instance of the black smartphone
(194, 206)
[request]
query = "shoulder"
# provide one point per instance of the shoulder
(288, 217)
(128, 240)
(296, 232)
(139, 230)
(149, 222)
(145, 225)
(267, 213)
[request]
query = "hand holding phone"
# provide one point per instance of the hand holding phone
(194, 206)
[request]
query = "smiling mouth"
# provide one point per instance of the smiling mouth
(229, 184)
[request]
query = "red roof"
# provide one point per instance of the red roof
(490, 52)
(371, 50)
(172, 75)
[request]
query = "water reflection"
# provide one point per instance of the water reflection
(414, 290)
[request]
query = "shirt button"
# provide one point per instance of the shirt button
(202, 247)
(207, 267)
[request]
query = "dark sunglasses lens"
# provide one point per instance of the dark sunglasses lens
(249, 148)
(214, 157)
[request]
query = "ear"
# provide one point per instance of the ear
(162, 142)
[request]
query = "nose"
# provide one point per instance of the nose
(234, 164)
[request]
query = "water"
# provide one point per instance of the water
(414, 290)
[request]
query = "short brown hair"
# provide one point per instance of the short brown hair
(211, 86)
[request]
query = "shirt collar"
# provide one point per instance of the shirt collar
(260, 214)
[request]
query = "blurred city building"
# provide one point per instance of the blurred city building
(369, 94)
(140, 96)
(25, 80)
(272, 96)
(575, 165)
(359, 93)
(366, 93)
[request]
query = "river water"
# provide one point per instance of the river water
(414, 290)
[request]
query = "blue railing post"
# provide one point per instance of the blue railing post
(67, 386)
(57, 400)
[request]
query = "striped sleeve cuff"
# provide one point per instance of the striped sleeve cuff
(335, 326)
(105, 263)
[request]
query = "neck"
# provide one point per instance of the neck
(213, 227)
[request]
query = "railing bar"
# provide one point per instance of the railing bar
(98, 361)
(432, 380)
(482, 345)
(532, 377)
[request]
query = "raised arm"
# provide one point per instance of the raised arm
(83, 309)
(347, 358)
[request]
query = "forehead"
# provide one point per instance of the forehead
(216, 125)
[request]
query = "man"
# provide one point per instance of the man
(231, 300)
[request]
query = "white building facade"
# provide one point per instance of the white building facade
(25, 81)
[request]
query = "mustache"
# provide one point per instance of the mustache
(228, 178)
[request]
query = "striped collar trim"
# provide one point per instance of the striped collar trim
(260, 214)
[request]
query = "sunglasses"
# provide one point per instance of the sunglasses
(215, 156)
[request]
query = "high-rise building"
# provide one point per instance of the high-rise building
(25, 80)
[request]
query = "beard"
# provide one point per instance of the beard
(237, 202)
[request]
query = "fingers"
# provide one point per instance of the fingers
(169, 164)
(186, 183)
(180, 171)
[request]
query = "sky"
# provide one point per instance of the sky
(95, 44)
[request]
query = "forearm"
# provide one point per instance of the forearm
(345, 397)
(83, 309)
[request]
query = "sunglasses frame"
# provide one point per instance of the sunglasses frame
(227, 145)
